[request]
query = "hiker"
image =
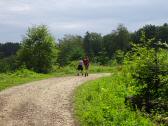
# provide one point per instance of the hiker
(86, 64)
(80, 67)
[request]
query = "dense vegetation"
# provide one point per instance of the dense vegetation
(23, 75)
(103, 50)
(8, 49)
(101, 102)
(141, 81)
(141, 85)
(38, 50)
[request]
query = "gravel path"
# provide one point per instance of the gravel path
(41, 103)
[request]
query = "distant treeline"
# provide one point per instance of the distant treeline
(103, 49)
(9, 48)
(100, 49)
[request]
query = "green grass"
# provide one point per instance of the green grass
(71, 69)
(19, 77)
(22, 76)
(101, 103)
(100, 69)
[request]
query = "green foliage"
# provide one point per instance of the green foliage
(100, 68)
(4, 67)
(119, 56)
(92, 44)
(149, 68)
(162, 33)
(23, 75)
(102, 49)
(71, 48)
(38, 49)
(8, 64)
(19, 77)
(151, 31)
(8, 49)
(101, 103)
(117, 40)
(72, 68)
(101, 58)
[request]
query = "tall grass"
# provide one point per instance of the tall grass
(101, 103)
(72, 69)
(99, 69)
(23, 75)
(19, 77)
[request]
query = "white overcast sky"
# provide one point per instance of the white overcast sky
(78, 16)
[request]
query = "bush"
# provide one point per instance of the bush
(149, 68)
(38, 50)
(8, 64)
(70, 49)
(119, 56)
(101, 103)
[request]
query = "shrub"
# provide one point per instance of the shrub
(8, 64)
(119, 56)
(149, 68)
(38, 49)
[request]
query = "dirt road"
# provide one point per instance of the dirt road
(41, 103)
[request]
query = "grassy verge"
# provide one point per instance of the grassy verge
(19, 77)
(100, 69)
(71, 69)
(23, 76)
(101, 103)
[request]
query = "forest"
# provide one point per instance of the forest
(139, 60)
(101, 49)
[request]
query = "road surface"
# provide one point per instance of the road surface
(41, 103)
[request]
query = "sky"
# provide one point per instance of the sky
(78, 16)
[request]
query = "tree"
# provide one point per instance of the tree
(70, 49)
(108, 44)
(8, 49)
(151, 31)
(102, 58)
(122, 38)
(117, 40)
(163, 33)
(92, 44)
(149, 68)
(8, 64)
(38, 49)
(119, 56)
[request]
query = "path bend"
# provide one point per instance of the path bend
(41, 103)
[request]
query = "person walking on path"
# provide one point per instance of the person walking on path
(80, 67)
(86, 64)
